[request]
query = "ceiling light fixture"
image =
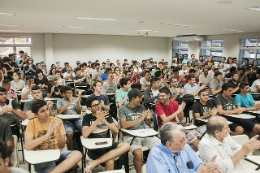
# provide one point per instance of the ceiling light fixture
(7, 14)
(224, 2)
(254, 8)
(80, 27)
(231, 30)
(9, 25)
(183, 25)
(91, 18)
(165, 24)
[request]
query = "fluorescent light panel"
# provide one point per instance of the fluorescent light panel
(7, 14)
(254, 8)
(9, 25)
(232, 30)
(80, 27)
(91, 18)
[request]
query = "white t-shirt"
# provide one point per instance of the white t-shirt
(25, 90)
(144, 82)
(155, 93)
(203, 79)
(66, 74)
(182, 72)
(61, 82)
(253, 87)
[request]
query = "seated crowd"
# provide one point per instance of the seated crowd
(131, 96)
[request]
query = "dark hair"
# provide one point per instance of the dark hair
(4, 151)
(57, 71)
(192, 55)
(130, 68)
(108, 69)
(38, 71)
(190, 77)
(233, 74)
(192, 71)
(217, 73)
(202, 91)
(123, 81)
(6, 59)
(2, 89)
(147, 72)
(127, 72)
(77, 69)
(224, 57)
(233, 69)
(175, 69)
(37, 105)
(94, 84)
(157, 73)
(35, 87)
(234, 58)
(21, 51)
(5, 81)
(108, 73)
(97, 64)
(90, 100)
(37, 63)
(243, 85)
(103, 63)
(246, 59)
(242, 69)
(28, 78)
(66, 63)
(164, 90)
(226, 86)
(153, 80)
(50, 72)
(67, 88)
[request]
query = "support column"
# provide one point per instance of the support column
(48, 50)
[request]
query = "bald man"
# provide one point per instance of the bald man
(218, 142)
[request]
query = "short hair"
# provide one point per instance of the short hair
(35, 87)
(153, 80)
(37, 63)
(175, 69)
(6, 59)
(37, 105)
(108, 69)
(190, 77)
(97, 64)
(123, 81)
(157, 73)
(224, 57)
(166, 132)
(127, 72)
(39, 71)
(217, 73)
(94, 84)
(130, 68)
(103, 63)
(192, 71)
(213, 125)
(4, 151)
(202, 91)
(164, 90)
(225, 86)
(66, 63)
(21, 51)
(147, 72)
(233, 69)
(77, 69)
(28, 78)
(57, 71)
(67, 88)
(242, 69)
(233, 74)
(2, 89)
(6, 81)
(234, 58)
(243, 85)
(90, 100)
(246, 59)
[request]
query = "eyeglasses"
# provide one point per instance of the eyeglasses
(2, 162)
(96, 105)
(182, 141)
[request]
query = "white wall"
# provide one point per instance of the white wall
(38, 48)
(73, 47)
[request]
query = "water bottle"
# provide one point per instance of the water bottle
(123, 167)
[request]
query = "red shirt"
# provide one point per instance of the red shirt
(167, 110)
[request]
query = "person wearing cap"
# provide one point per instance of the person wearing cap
(133, 116)
(26, 91)
(54, 88)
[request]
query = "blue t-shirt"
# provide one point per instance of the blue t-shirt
(185, 61)
(103, 76)
(102, 97)
(244, 101)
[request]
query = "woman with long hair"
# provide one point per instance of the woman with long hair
(117, 75)
(252, 75)
(30, 68)
(52, 71)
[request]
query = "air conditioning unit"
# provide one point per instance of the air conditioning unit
(189, 38)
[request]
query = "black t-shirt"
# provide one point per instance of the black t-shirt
(82, 83)
(234, 86)
(56, 89)
(101, 130)
(198, 107)
(16, 67)
(42, 81)
(22, 62)
(9, 74)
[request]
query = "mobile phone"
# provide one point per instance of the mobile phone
(101, 143)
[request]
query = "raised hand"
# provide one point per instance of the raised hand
(49, 104)
(143, 115)
(57, 126)
(181, 107)
(209, 167)
(50, 129)
(78, 98)
(102, 115)
(251, 145)
(149, 114)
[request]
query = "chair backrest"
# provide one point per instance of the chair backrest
(227, 79)
(144, 169)
(241, 139)
(14, 159)
(191, 117)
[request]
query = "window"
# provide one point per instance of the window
(14, 45)
(180, 47)
(250, 49)
(211, 47)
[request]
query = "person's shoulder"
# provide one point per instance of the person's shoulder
(197, 104)
(54, 118)
(173, 102)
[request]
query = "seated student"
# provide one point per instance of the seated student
(68, 75)
(215, 86)
(175, 92)
(26, 91)
(37, 95)
(225, 105)
(46, 133)
(234, 81)
(69, 105)
(232, 70)
(191, 72)
(218, 142)
(151, 97)
(104, 101)
(180, 78)
(145, 81)
(41, 81)
(175, 156)
(168, 110)
(80, 80)
(133, 116)
(4, 160)
(6, 133)
(97, 125)
(256, 86)
(122, 94)
(60, 81)
(103, 76)
(128, 74)
(134, 76)
(109, 86)
(243, 74)
(54, 88)
(192, 88)
(203, 109)
(11, 94)
(17, 84)
(205, 77)
(244, 99)
(163, 81)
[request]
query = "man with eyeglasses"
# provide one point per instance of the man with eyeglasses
(168, 110)
(174, 155)
(97, 125)
(186, 59)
